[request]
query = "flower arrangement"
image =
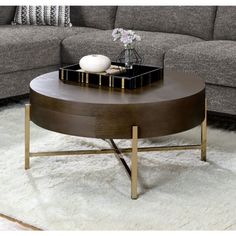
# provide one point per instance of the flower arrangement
(129, 55)
(127, 37)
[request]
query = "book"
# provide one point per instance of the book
(113, 70)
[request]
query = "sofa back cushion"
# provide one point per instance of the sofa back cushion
(100, 17)
(191, 20)
(6, 14)
(225, 23)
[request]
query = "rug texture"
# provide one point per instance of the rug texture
(177, 190)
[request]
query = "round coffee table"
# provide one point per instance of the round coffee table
(172, 105)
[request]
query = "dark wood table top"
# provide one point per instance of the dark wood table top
(172, 105)
(174, 86)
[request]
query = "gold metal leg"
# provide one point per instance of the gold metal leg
(27, 136)
(134, 163)
(204, 135)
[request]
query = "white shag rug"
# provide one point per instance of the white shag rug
(177, 190)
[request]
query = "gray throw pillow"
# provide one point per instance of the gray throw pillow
(42, 15)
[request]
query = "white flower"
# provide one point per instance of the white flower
(127, 37)
(116, 33)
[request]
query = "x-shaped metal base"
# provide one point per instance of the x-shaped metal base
(131, 172)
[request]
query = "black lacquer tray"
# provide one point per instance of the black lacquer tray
(137, 77)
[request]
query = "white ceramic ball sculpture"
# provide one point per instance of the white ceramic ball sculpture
(95, 63)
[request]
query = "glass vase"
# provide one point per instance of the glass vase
(129, 56)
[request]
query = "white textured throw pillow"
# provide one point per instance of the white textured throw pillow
(42, 15)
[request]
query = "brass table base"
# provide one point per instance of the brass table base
(131, 172)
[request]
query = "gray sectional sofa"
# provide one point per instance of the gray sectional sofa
(197, 39)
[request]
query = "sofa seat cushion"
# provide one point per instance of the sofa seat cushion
(30, 47)
(17, 83)
(213, 61)
(151, 48)
(221, 99)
